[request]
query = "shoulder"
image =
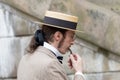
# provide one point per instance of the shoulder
(40, 57)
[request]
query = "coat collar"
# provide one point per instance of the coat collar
(49, 53)
(52, 48)
(46, 51)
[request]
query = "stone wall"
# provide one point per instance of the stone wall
(113, 5)
(15, 34)
(99, 46)
(92, 19)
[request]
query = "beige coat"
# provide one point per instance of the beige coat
(41, 65)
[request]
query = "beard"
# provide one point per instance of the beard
(61, 43)
(61, 48)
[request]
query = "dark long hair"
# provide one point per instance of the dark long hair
(45, 34)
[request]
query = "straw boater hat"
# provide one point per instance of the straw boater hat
(60, 20)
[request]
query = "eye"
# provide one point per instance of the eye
(73, 37)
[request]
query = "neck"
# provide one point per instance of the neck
(54, 44)
(52, 48)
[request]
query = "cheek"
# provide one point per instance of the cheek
(66, 43)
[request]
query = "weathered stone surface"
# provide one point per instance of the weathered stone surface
(100, 25)
(12, 24)
(113, 5)
(8, 79)
(95, 59)
(100, 76)
(11, 51)
(35, 8)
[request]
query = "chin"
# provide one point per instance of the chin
(62, 52)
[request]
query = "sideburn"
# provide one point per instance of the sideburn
(61, 42)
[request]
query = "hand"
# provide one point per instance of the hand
(75, 62)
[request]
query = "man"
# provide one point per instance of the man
(44, 61)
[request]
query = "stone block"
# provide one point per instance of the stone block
(11, 51)
(35, 8)
(100, 76)
(100, 26)
(113, 5)
(94, 59)
(12, 24)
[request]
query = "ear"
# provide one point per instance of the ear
(58, 36)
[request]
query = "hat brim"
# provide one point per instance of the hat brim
(41, 23)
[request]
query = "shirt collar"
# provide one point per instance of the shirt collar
(52, 48)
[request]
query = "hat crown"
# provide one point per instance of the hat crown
(61, 16)
(60, 20)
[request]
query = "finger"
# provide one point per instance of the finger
(77, 57)
(72, 58)
(70, 65)
(70, 62)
